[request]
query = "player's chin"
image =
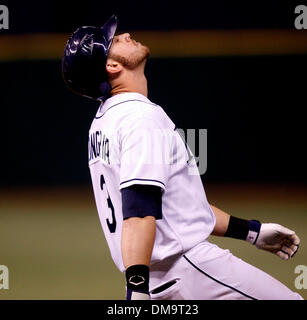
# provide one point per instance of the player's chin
(146, 52)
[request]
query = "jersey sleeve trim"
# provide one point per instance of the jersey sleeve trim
(131, 182)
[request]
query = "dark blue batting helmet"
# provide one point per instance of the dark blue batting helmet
(84, 60)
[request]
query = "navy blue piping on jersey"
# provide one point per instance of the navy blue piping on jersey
(121, 103)
(223, 284)
(139, 179)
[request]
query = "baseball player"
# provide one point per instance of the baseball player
(153, 210)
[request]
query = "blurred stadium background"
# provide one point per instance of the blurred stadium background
(238, 72)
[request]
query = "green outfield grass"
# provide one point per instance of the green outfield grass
(53, 245)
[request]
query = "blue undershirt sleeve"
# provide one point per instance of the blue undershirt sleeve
(141, 201)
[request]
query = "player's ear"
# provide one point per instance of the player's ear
(113, 67)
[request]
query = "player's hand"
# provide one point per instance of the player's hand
(278, 239)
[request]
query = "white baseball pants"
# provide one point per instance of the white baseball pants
(207, 272)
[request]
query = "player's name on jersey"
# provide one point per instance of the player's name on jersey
(98, 148)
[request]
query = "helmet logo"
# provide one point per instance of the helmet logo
(87, 43)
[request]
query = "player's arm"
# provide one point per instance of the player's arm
(142, 205)
(222, 221)
(142, 180)
(138, 235)
(267, 236)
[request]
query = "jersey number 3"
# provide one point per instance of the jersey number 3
(111, 225)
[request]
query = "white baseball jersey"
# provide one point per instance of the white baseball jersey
(133, 141)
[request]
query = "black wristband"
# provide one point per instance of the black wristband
(237, 228)
(137, 277)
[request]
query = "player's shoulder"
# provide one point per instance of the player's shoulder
(137, 106)
(140, 106)
(132, 110)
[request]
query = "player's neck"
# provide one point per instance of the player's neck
(130, 81)
(130, 87)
